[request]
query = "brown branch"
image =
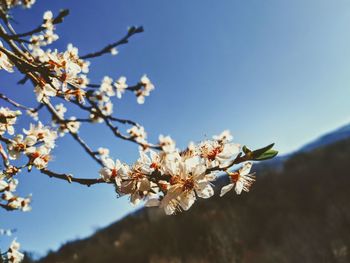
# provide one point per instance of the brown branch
(16, 104)
(58, 19)
(116, 131)
(52, 110)
(70, 179)
(123, 121)
(6, 207)
(132, 31)
(5, 140)
(130, 88)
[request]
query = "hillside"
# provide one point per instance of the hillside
(298, 214)
(339, 134)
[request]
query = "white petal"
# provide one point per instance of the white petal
(186, 200)
(239, 187)
(225, 189)
(109, 163)
(206, 192)
(246, 168)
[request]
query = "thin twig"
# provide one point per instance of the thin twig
(132, 31)
(74, 135)
(116, 131)
(16, 104)
(58, 19)
(69, 178)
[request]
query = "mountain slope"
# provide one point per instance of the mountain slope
(298, 214)
(339, 134)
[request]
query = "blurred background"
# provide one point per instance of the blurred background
(270, 71)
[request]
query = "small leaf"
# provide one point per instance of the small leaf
(246, 150)
(59, 19)
(269, 154)
(259, 152)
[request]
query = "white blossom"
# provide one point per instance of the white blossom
(103, 152)
(42, 133)
(167, 143)
(120, 86)
(240, 180)
(39, 156)
(189, 179)
(138, 133)
(14, 255)
(107, 87)
(44, 90)
(19, 144)
(147, 88)
(110, 171)
(114, 51)
(7, 119)
(218, 152)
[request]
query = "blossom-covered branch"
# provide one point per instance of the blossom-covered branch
(163, 175)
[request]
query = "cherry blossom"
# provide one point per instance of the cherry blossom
(7, 120)
(13, 255)
(120, 86)
(241, 180)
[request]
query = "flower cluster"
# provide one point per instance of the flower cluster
(138, 133)
(13, 254)
(36, 143)
(173, 180)
(7, 4)
(67, 74)
(8, 200)
(110, 88)
(47, 37)
(145, 90)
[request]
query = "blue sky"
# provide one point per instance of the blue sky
(270, 71)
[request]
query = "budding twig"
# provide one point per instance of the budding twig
(132, 31)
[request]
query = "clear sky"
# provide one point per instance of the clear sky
(270, 71)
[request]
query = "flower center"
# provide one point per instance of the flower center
(234, 177)
(188, 184)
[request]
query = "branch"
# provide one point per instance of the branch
(6, 207)
(130, 88)
(58, 19)
(74, 135)
(116, 131)
(69, 178)
(132, 31)
(239, 159)
(123, 121)
(16, 104)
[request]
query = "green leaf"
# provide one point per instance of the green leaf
(269, 154)
(259, 152)
(246, 150)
